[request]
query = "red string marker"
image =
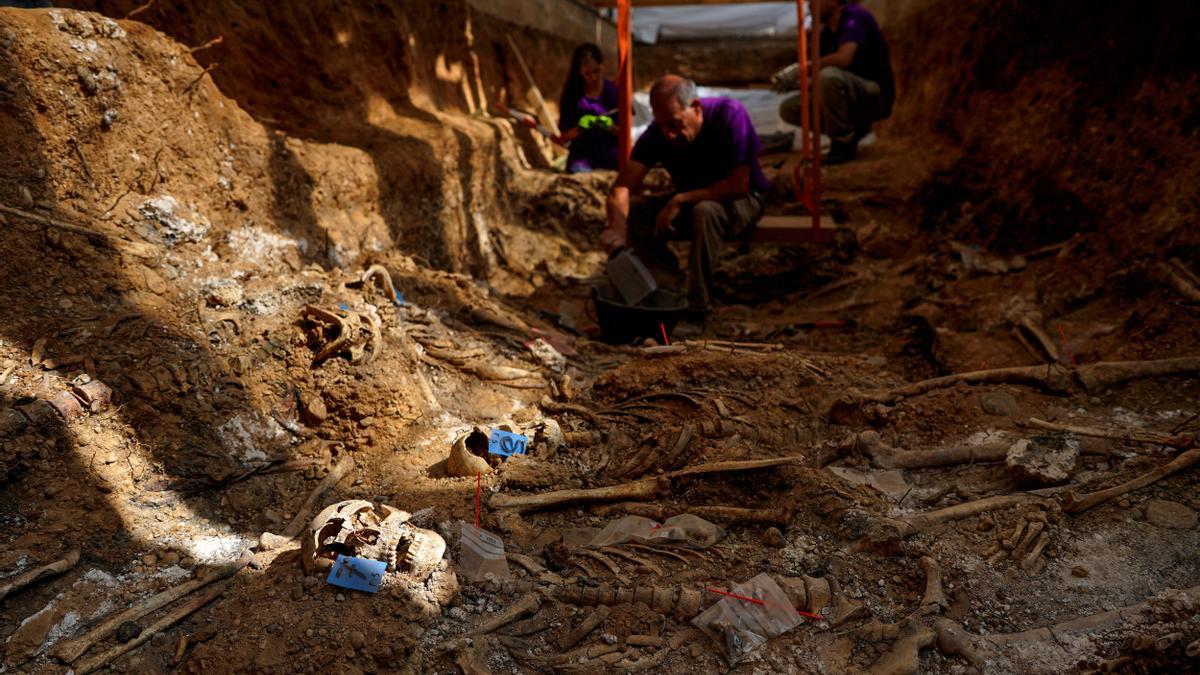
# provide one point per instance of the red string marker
(1066, 350)
(818, 617)
(478, 493)
(663, 328)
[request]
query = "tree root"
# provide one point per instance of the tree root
(1074, 503)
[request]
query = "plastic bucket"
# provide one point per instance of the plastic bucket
(622, 324)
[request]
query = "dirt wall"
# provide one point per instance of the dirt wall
(1073, 115)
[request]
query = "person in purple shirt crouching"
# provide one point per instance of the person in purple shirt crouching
(710, 149)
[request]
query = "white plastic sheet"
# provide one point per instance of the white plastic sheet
(693, 22)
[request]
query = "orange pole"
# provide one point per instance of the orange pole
(625, 84)
(814, 181)
(802, 60)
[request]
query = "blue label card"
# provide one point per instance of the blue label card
(357, 574)
(506, 443)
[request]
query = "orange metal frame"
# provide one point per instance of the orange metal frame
(806, 178)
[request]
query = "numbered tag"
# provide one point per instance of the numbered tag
(506, 443)
(358, 574)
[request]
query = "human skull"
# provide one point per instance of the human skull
(360, 529)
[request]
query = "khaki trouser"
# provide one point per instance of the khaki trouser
(849, 105)
(706, 224)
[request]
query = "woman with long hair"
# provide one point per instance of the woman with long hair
(585, 113)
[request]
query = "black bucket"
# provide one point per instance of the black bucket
(622, 324)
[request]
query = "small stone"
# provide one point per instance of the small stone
(314, 410)
(897, 579)
(609, 638)
(1171, 515)
(457, 613)
(773, 537)
(297, 594)
(1124, 503)
(223, 293)
(1079, 571)
(366, 422)
(170, 558)
(128, 631)
(340, 597)
(357, 639)
(1043, 460)
(310, 632)
(149, 560)
(999, 403)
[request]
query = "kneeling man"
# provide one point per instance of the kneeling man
(710, 149)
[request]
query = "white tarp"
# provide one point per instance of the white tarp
(693, 22)
(761, 104)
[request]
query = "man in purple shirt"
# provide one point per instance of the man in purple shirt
(857, 85)
(710, 149)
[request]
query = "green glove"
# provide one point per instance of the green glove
(589, 122)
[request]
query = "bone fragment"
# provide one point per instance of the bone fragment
(385, 278)
(586, 626)
(645, 489)
(904, 656)
(70, 650)
(1181, 441)
(923, 521)
(952, 639)
(601, 558)
(171, 618)
(1032, 324)
(653, 567)
(336, 473)
(45, 571)
(744, 465)
(1073, 503)
(933, 595)
(528, 604)
(887, 457)
(1193, 649)
(1180, 278)
(1165, 642)
(1036, 552)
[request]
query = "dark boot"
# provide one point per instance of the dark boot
(840, 153)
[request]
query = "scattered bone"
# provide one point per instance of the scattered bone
(70, 650)
(385, 279)
(1193, 649)
(530, 565)
(1181, 441)
(633, 558)
(467, 454)
(171, 618)
(647, 488)
(586, 626)
(933, 594)
(922, 522)
(1076, 503)
(600, 558)
(358, 335)
(663, 552)
(887, 457)
(953, 640)
(680, 601)
(1183, 280)
(358, 528)
(1055, 378)
(528, 604)
(904, 656)
(337, 472)
(14, 584)
(1032, 325)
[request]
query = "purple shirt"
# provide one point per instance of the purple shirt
(871, 60)
(595, 147)
(726, 141)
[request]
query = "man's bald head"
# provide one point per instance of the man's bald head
(676, 107)
(670, 88)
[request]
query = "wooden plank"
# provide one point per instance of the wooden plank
(794, 230)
